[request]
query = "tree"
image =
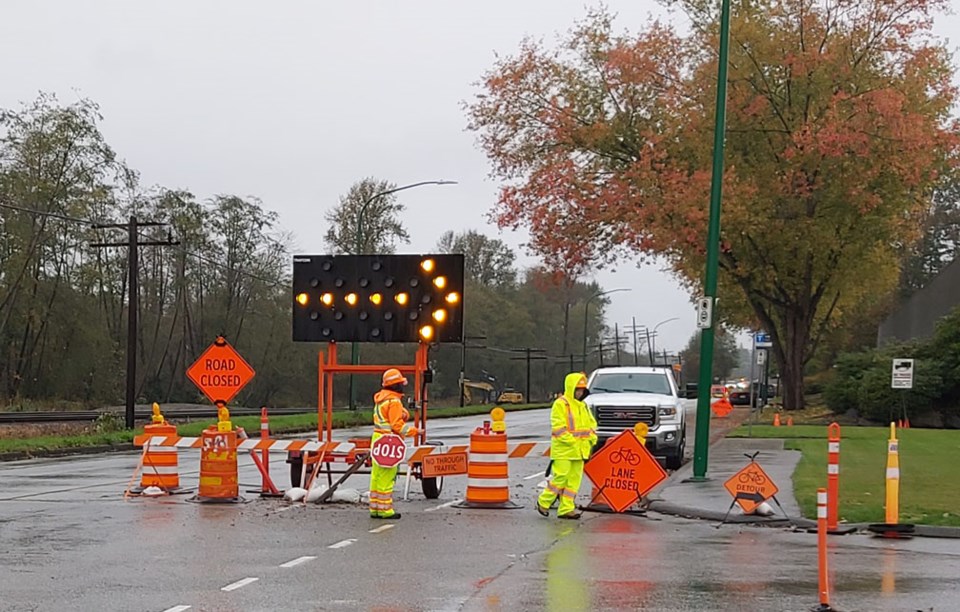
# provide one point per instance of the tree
(939, 243)
(382, 227)
(725, 360)
(837, 129)
(487, 261)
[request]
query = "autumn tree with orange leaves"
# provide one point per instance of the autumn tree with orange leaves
(838, 125)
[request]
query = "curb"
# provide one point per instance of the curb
(662, 507)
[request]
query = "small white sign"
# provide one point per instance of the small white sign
(761, 356)
(902, 374)
(705, 312)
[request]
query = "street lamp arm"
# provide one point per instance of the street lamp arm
(370, 200)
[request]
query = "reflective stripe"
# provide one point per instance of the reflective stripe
(893, 472)
(149, 468)
(833, 468)
(583, 433)
(569, 494)
(488, 483)
(821, 512)
(488, 457)
(822, 498)
(553, 488)
(163, 449)
(559, 432)
(833, 447)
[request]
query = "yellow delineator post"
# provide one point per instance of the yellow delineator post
(893, 478)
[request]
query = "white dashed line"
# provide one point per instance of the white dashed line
(177, 609)
(297, 561)
(442, 506)
(238, 584)
(532, 476)
(343, 543)
(381, 529)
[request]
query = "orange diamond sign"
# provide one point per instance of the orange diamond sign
(751, 487)
(220, 372)
(624, 471)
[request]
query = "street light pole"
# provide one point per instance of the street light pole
(586, 311)
(702, 439)
(656, 327)
(355, 347)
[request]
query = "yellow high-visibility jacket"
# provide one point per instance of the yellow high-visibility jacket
(573, 427)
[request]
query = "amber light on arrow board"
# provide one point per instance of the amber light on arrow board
(440, 315)
(302, 299)
(402, 298)
(376, 299)
(426, 332)
(440, 282)
(327, 298)
(351, 299)
(427, 265)
(453, 298)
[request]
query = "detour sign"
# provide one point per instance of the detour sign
(751, 487)
(220, 372)
(624, 471)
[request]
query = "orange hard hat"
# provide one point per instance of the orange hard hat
(393, 377)
(582, 382)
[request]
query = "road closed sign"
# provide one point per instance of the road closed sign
(624, 471)
(220, 372)
(388, 450)
(751, 487)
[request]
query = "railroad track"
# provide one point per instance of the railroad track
(172, 413)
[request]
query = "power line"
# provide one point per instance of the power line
(45, 214)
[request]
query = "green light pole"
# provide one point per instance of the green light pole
(358, 250)
(702, 439)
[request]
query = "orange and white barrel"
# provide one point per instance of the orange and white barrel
(160, 463)
(488, 475)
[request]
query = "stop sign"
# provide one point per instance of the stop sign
(388, 450)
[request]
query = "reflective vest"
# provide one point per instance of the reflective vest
(573, 430)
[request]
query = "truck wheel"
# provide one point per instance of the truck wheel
(431, 487)
(675, 461)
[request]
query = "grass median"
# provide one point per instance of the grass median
(928, 491)
(12, 447)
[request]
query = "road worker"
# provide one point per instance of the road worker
(573, 437)
(389, 416)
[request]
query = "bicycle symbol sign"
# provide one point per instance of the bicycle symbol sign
(750, 487)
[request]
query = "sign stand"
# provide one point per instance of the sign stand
(738, 497)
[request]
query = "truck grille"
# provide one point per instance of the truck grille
(620, 417)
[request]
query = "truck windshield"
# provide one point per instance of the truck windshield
(631, 383)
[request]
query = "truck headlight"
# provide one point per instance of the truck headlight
(667, 411)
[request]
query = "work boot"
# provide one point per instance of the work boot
(543, 511)
(572, 516)
(395, 515)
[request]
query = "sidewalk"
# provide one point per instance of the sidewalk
(710, 500)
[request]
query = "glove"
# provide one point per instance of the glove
(412, 432)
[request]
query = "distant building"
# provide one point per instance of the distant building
(916, 318)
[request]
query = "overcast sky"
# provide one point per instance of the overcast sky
(292, 102)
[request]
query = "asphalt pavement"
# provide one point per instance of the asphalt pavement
(72, 542)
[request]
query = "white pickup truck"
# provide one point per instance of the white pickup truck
(621, 397)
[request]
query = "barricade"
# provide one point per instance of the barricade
(488, 480)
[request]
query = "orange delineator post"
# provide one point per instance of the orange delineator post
(488, 478)
(160, 464)
(833, 476)
(219, 480)
(264, 454)
(823, 573)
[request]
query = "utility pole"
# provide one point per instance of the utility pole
(133, 299)
(633, 332)
(616, 335)
(649, 346)
(529, 355)
(463, 362)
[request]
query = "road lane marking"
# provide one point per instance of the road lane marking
(381, 529)
(297, 561)
(343, 543)
(238, 584)
(532, 476)
(177, 609)
(442, 506)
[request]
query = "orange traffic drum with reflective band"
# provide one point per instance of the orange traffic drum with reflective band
(160, 463)
(218, 466)
(488, 478)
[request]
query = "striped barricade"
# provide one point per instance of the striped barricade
(273, 446)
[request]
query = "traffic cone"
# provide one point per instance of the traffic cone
(789, 421)
(776, 419)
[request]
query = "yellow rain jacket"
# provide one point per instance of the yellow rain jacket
(573, 426)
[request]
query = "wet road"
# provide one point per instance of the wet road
(71, 542)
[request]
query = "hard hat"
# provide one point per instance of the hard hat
(582, 382)
(393, 377)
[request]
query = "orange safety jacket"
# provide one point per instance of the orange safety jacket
(389, 415)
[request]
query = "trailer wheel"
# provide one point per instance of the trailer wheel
(432, 487)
